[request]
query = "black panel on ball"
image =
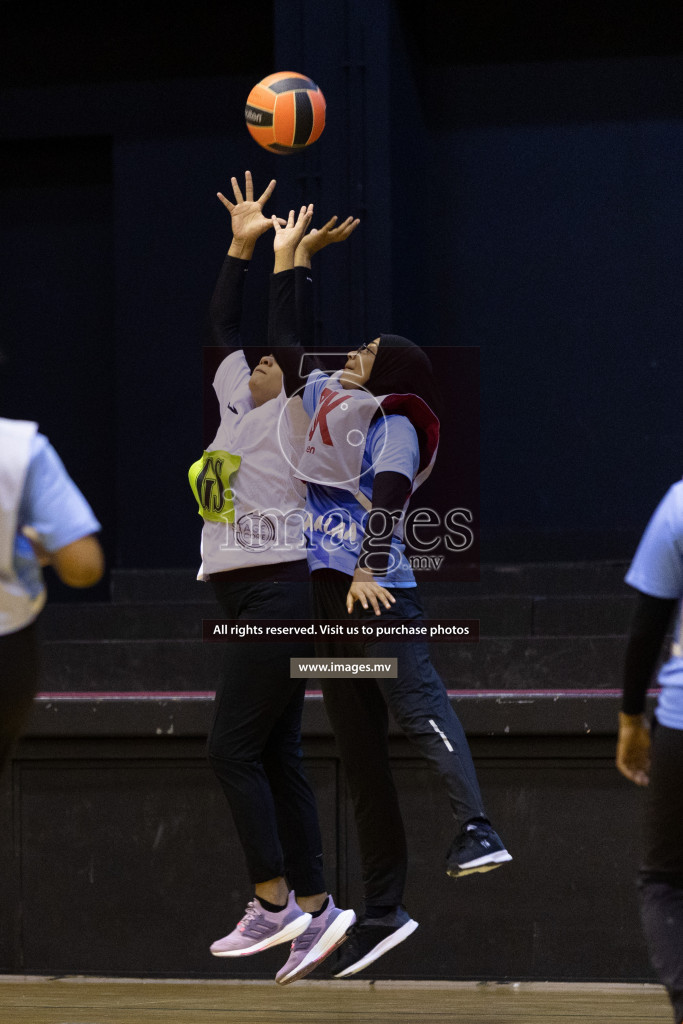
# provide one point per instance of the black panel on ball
(275, 147)
(303, 122)
(287, 84)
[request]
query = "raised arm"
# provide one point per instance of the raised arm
(290, 323)
(248, 223)
(283, 333)
(313, 242)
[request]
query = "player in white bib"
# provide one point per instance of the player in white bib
(253, 554)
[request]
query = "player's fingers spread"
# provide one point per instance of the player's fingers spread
(267, 193)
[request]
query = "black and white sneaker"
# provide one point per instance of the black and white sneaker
(371, 938)
(476, 848)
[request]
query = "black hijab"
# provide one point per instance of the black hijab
(403, 368)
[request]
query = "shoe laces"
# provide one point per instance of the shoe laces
(250, 913)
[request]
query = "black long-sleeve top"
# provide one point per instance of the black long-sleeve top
(225, 309)
(649, 626)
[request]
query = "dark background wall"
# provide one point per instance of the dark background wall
(517, 172)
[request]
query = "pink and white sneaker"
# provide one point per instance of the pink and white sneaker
(260, 929)
(323, 935)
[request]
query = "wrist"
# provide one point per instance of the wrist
(633, 721)
(362, 575)
(302, 257)
(241, 249)
(284, 260)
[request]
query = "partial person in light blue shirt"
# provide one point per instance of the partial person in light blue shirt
(44, 520)
(657, 571)
(657, 761)
(55, 513)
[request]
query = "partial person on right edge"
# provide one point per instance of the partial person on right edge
(656, 760)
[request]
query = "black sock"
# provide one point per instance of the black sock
(272, 907)
(323, 908)
(377, 910)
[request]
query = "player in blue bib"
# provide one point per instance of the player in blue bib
(372, 440)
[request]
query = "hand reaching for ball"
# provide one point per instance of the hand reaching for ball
(288, 234)
(246, 216)
(317, 239)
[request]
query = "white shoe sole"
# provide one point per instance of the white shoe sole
(296, 927)
(380, 949)
(481, 864)
(330, 940)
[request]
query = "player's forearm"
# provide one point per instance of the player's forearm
(389, 494)
(651, 619)
(225, 310)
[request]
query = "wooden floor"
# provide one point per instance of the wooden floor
(94, 1001)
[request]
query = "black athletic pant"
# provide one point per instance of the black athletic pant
(661, 876)
(18, 685)
(358, 711)
(255, 740)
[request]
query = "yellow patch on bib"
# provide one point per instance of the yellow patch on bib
(210, 482)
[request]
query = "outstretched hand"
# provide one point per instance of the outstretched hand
(318, 238)
(288, 234)
(246, 215)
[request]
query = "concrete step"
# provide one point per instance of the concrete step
(171, 621)
(502, 615)
(513, 663)
(543, 578)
